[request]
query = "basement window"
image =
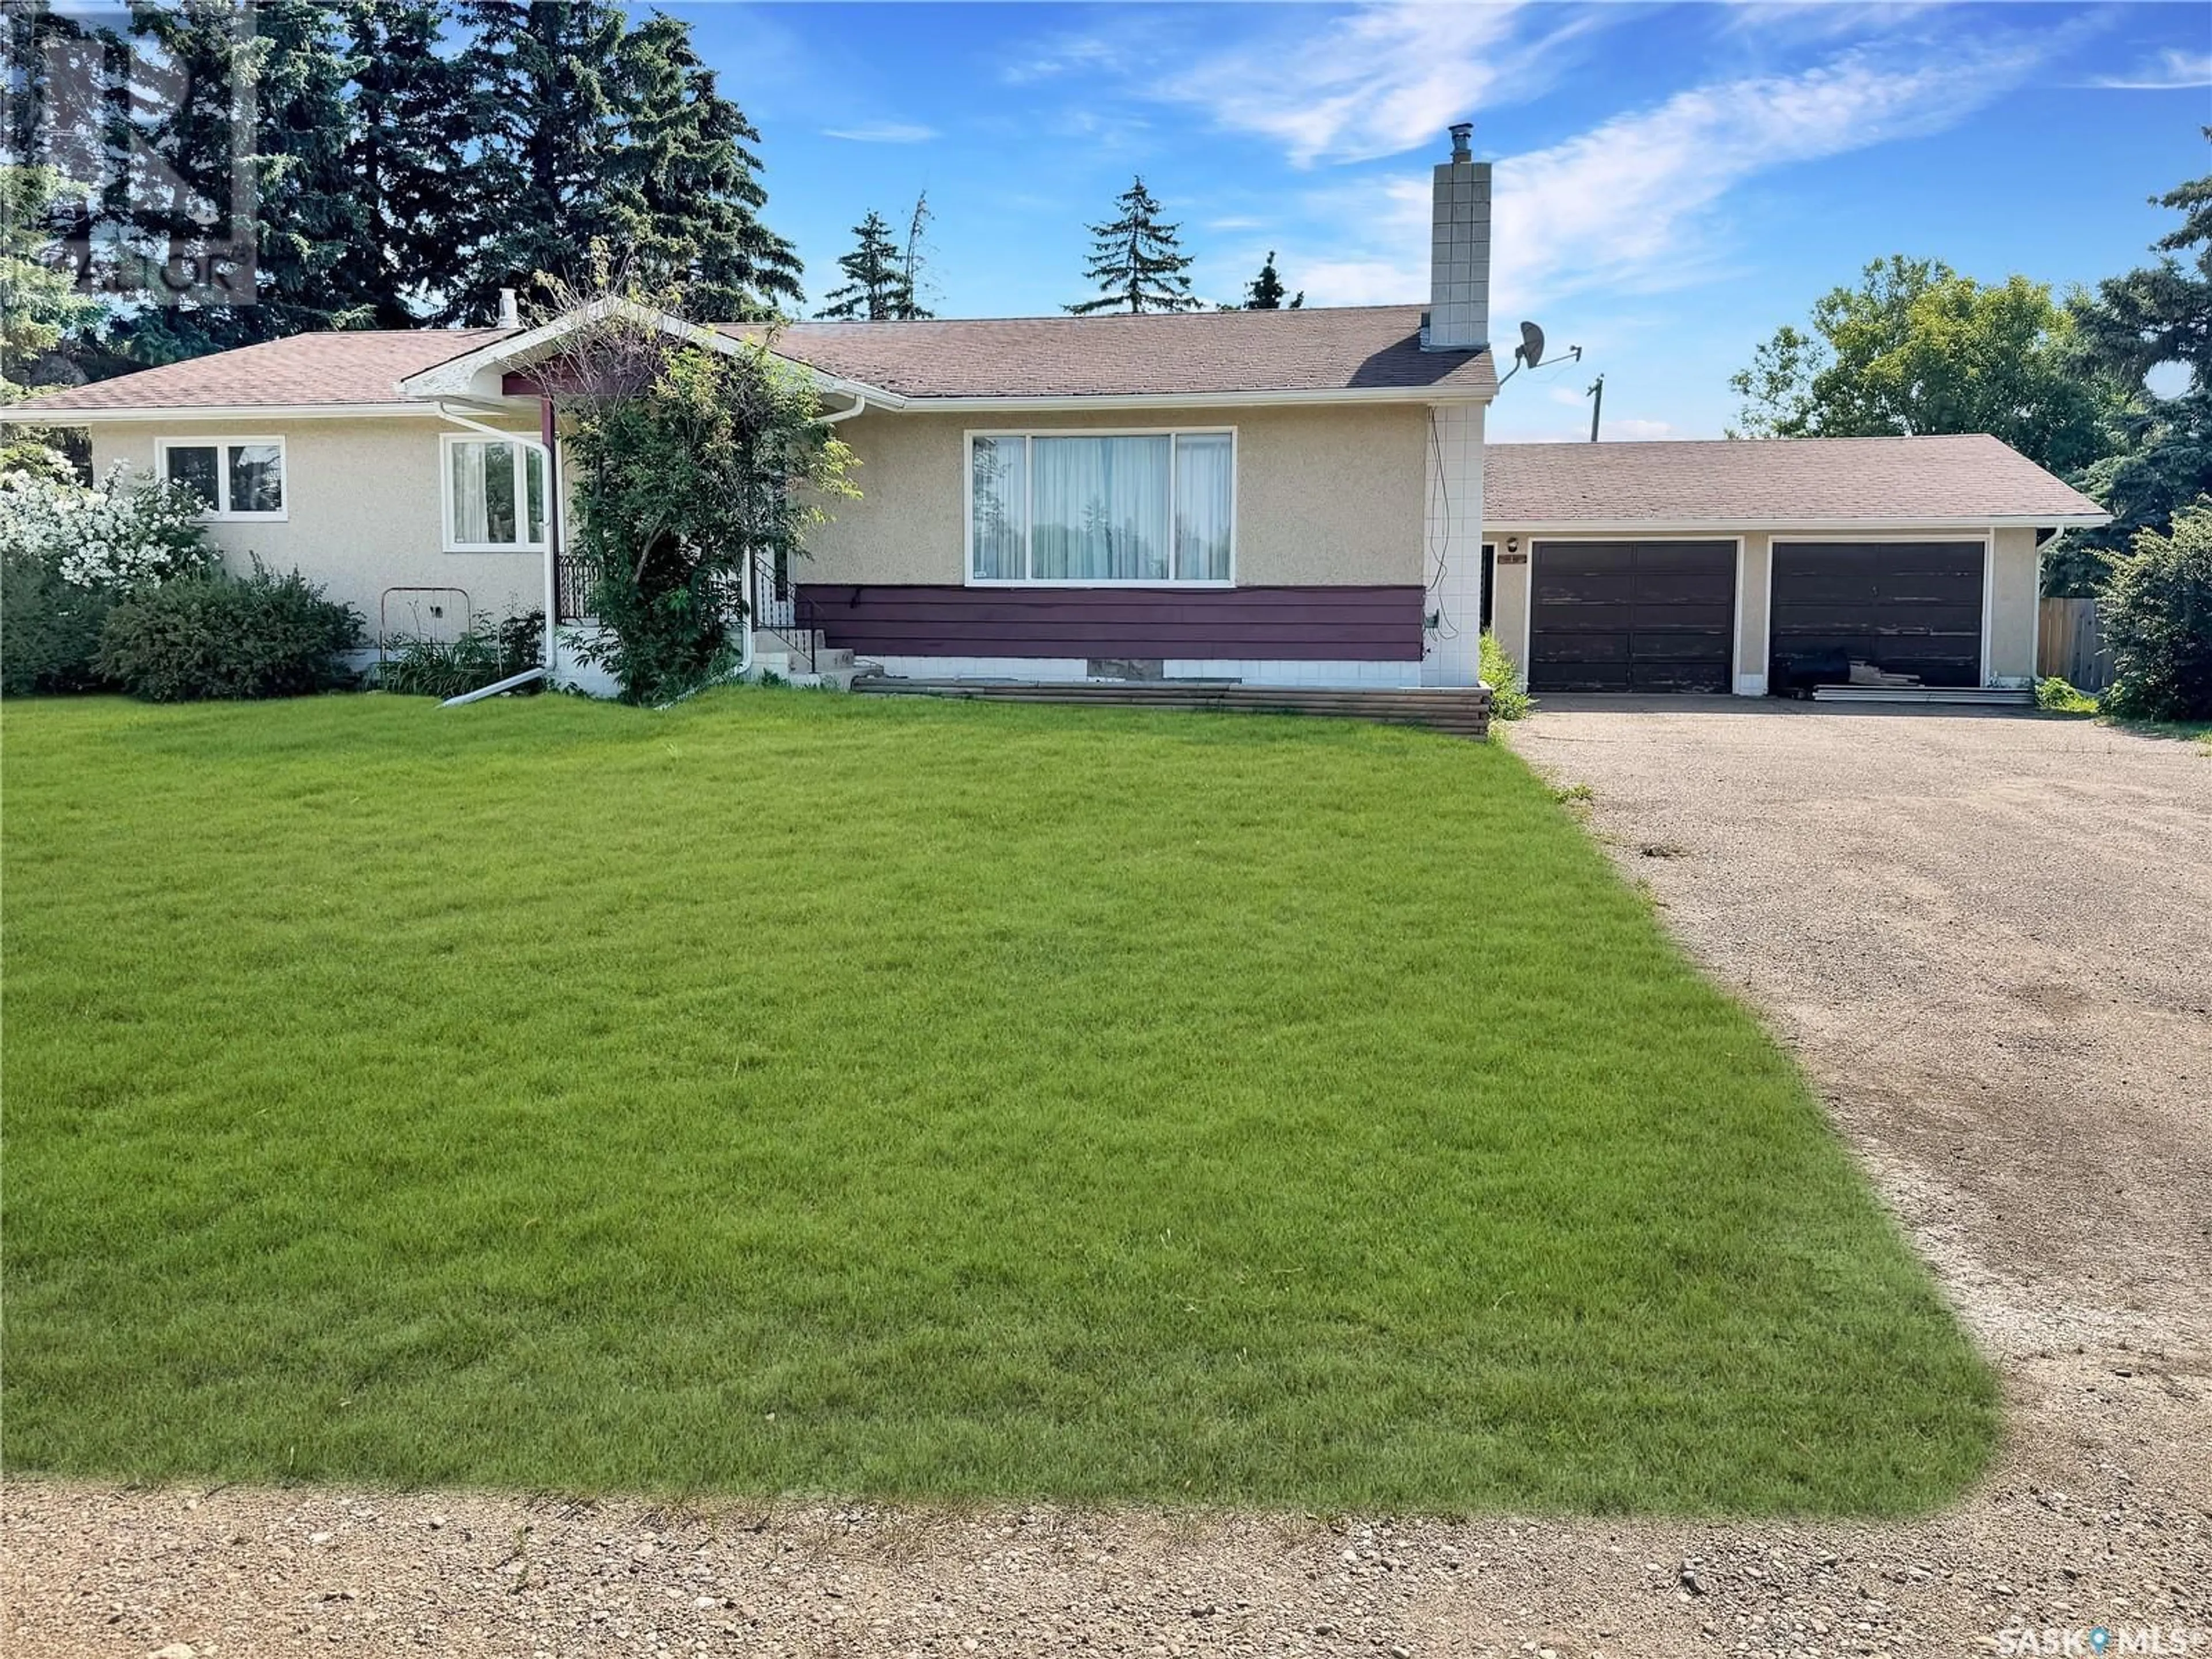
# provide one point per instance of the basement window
(1102, 509)
(236, 477)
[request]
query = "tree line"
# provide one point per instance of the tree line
(1917, 347)
(408, 159)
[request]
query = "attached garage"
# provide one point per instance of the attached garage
(1912, 607)
(1632, 616)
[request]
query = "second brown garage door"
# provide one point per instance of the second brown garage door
(1631, 615)
(1905, 607)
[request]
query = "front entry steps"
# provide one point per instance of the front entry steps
(800, 658)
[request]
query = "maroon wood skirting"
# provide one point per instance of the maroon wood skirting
(1365, 624)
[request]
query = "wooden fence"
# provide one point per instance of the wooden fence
(2071, 646)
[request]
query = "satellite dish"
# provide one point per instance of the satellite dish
(1529, 354)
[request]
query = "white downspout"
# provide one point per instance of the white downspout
(506, 435)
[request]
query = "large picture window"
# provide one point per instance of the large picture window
(495, 496)
(1101, 508)
(237, 477)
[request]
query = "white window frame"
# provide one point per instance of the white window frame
(1029, 514)
(220, 514)
(521, 441)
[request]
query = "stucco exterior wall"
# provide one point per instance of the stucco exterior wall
(1324, 496)
(362, 513)
(2010, 606)
(2016, 586)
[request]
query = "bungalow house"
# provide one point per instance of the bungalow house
(1279, 498)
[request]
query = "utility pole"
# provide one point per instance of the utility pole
(1596, 390)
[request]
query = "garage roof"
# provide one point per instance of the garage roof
(1898, 482)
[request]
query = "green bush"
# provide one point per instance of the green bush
(219, 635)
(2157, 617)
(2057, 696)
(48, 627)
(1509, 692)
(485, 653)
(70, 552)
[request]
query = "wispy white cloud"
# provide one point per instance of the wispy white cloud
(1377, 80)
(883, 133)
(1638, 203)
(2174, 71)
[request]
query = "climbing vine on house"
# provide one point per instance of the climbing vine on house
(685, 461)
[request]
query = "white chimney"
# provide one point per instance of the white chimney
(510, 315)
(1459, 251)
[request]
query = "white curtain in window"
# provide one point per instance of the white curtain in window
(1203, 465)
(533, 468)
(998, 502)
(1100, 508)
(472, 514)
(490, 510)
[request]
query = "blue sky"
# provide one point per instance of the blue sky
(1673, 182)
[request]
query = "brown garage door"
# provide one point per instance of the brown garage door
(1631, 615)
(1906, 607)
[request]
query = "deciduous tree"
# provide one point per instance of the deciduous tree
(1916, 347)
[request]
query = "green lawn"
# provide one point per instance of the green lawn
(798, 1092)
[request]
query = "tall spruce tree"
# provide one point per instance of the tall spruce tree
(538, 190)
(685, 152)
(177, 191)
(1267, 290)
(878, 288)
(405, 143)
(587, 133)
(1135, 260)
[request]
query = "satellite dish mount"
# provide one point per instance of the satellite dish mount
(1529, 354)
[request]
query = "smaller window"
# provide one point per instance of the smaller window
(495, 496)
(237, 477)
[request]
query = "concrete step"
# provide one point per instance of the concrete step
(1986, 696)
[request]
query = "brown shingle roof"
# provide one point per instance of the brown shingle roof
(1375, 348)
(1902, 482)
(1330, 349)
(346, 367)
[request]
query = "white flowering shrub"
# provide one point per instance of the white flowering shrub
(118, 539)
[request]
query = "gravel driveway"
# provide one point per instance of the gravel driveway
(1989, 938)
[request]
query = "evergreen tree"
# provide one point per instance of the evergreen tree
(590, 133)
(1267, 290)
(406, 134)
(39, 305)
(685, 153)
(235, 270)
(541, 115)
(1135, 261)
(878, 288)
(2160, 456)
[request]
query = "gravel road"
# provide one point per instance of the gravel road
(1990, 939)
